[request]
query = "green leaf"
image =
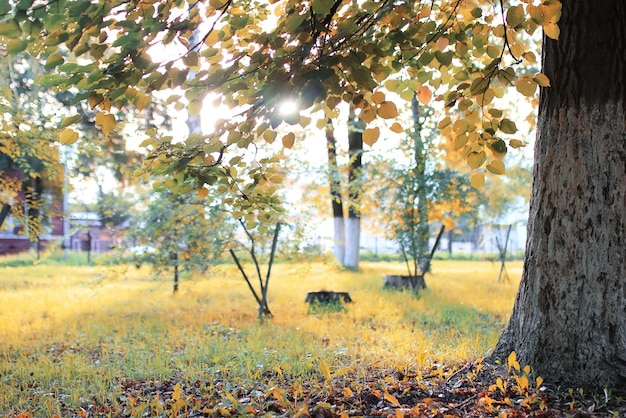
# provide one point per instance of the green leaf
(70, 120)
(444, 58)
(10, 29)
(515, 15)
(15, 46)
(508, 126)
(322, 7)
(5, 7)
(54, 60)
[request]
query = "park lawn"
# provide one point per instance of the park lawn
(114, 340)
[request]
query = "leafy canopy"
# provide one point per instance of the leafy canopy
(257, 54)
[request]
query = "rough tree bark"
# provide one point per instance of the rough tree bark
(569, 318)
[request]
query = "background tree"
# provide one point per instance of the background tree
(29, 160)
(180, 232)
(416, 191)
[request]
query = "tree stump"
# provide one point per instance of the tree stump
(327, 300)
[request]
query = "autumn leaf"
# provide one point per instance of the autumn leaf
(552, 30)
(269, 136)
(477, 180)
(424, 95)
(367, 115)
(370, 136)
(289, 140)
(106, 122)
(476, 159)
(391, 399)
(526, 86)
(378, 97)
(388, 110)
(496, 167)
(203, 192)
(397, 128)
(542, 80)
(325, 370)
(68, 137)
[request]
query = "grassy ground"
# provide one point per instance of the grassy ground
(73, 337)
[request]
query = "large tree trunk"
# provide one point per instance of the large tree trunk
(569, 319)
(334, 183)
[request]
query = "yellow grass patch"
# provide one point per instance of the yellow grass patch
(71, 334)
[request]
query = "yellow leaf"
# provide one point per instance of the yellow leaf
(68, 137)
(325, 370)
(448, 223)
(391, 399)
(512, 361)
(397, 128)
(388, 110)
(496, 167)
(526, 86)
(218, 4)
(203, 192)
(269, 136)
(542, 80)
(289, 140)
(378, 97)
(539, 381)
(552, 30)
(424, 95)
(476, 159)
(304, 121)
(141, 100)
(477, 180)
(194, 108)
(177, 392)
(530, 57)
(347, 392)
(370, 135)
(516, 143)
(106, 121)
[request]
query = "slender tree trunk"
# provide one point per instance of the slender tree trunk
(569, 318)
(334, 182)
(34, 194)
(420, 174)
(353, 223)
